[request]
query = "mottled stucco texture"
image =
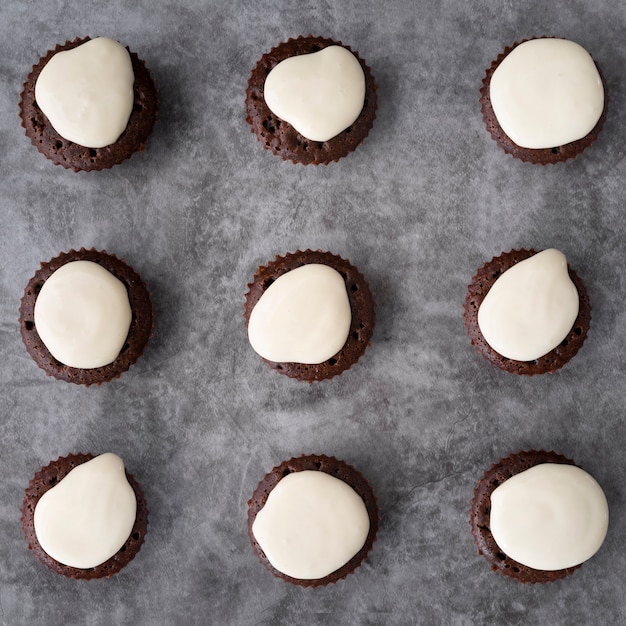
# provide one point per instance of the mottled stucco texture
(418, 208)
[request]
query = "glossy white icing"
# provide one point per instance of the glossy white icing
(311, 525)
(82, 315)
(319, 94)
(303, 317)
(547, 93)
(549, 517)
(88, 516)
(531, 308)
(87, 92)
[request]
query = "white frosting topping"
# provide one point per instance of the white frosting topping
(549, 517)
(303, 317)
(88, 516)
(82, 315)
(319, 94)
(311, 525)
(87, 92)
(531, 308)
(547, 93)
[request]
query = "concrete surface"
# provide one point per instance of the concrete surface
(418, 208)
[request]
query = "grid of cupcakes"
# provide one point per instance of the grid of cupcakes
(86, 317)
(333, 324)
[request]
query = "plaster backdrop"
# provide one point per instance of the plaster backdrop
(424, 202)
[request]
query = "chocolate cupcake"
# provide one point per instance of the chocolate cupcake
(544, 100)
(89, 104)
(322, 510)
(84, 516)
(310, 315)
(531, 320)
(536, 516)
(312, 122)
(86, 317)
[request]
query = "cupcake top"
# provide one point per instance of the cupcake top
(82, 315)
(311, 100)
(544, 100)
(311, 525)
(549, 517)
(84, 517)
(87, 92)
(309, 314)
(86, 317)
(527, 312)
(530, 308)
(536, 516)
(320, 94)
(312, 520)
(303, 317)
(547, 92)
(89, 104)
(88, 516)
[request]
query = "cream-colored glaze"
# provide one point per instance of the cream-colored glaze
(531, 308)
(88, 516)
(303, 317)
(549, 517)
(87, 92)
(319, 94)
(311, 525)
(547, 93)
(82, 315)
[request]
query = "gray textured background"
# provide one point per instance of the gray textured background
(418, 208)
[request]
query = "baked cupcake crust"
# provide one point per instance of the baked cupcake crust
(550, 362)
(337, 469)
(46, 478)
(139, 332)
(282, 138)
(480, 512)
(73, 156)
(541, 156)
(361, 305)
